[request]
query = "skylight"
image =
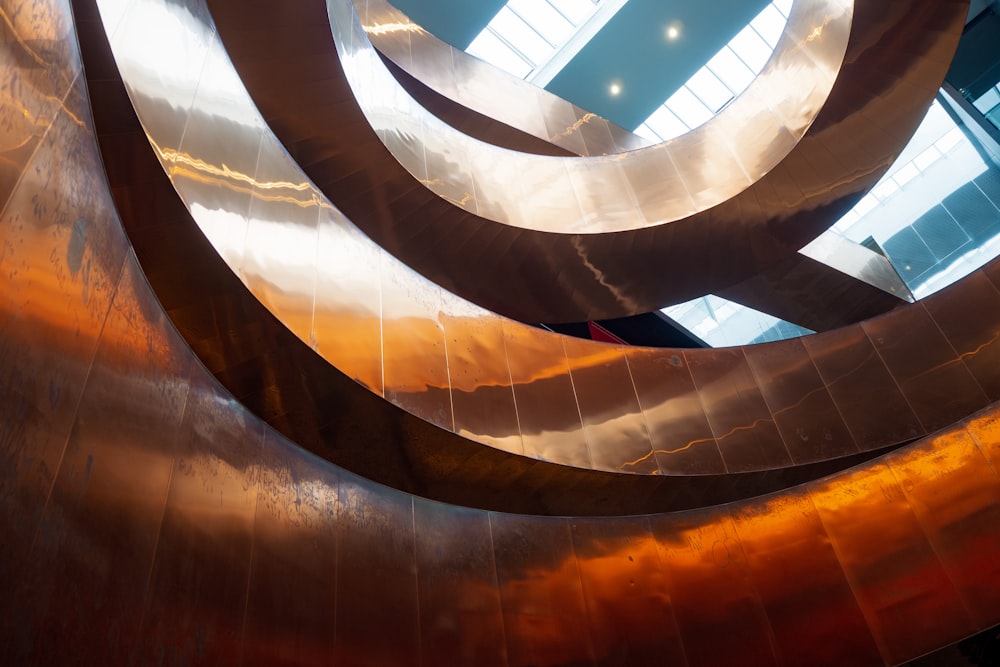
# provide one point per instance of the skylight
(989, 105)
(935, 215)
(527, 37)
(724, 77)
(723, 323)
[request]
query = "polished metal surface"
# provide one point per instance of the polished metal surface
(857, 261)
(149, 517)
(281, 379)
(454, 365)
(876, 101)
(595, 194)
(478, 86)
(813, 294)
(830, 283)
(474, 123)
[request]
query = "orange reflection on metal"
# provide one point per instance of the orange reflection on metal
(955, 496)
(904, 592)
(396, 333)
(29, 26)
(201, 171)
(166, 512)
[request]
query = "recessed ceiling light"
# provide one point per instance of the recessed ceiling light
(673, 31)
(615, 89)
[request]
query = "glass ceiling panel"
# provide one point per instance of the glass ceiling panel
(783, 6)
(751, 48)
(710, 89)
(512, 29)
(726, 75)
(545, 19)
(534, 30)
(665, 124)
(577, 11)
(487, 46)
(936, 212)
(722, 323)
(731, 70)
(989, 100)
(769, 24)
(935, 215)
(688, 107)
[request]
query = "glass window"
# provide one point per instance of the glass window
(885, 189)
(535, 30)
(905, 174)
(990, 99)
(769, 24)
(751, 48)
(541, 16)
(722, 323)
(709, 89)
(487, 46)
(688, 108)
(646, 132)
(577, 11)
(783, 6)
(512, 29)
(927, 158)
(867, 203)
(731, 70)
(925, 240)
(950, 140)
(665, 124)
(848, 219)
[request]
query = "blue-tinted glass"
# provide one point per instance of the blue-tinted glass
(988, 100)
(731, 70)
(940, 232)
(513, 30)
(751, 48)
(974, 212)
(769, 24)
(909, 254)
(709, 89)
(688, 108)
(783, 6)
(493, 50)
(577, 11)
(541, 16)
(665, 124)
(989, 184)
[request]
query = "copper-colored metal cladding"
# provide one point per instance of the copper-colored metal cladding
(830, 283)
(893, 65)
(452, 364)
(148, 516)
(478, 86)
(297, 392)
(815, 295)
(594, 194)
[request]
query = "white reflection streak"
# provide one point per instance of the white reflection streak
(389, 28)
(163, 55)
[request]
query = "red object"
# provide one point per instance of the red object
(597, 332)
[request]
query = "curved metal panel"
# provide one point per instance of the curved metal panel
(570, 402)
(282, 380)
(714, 162)
(828, 284)
(477, 85)
(576, 277)
(171, 508)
